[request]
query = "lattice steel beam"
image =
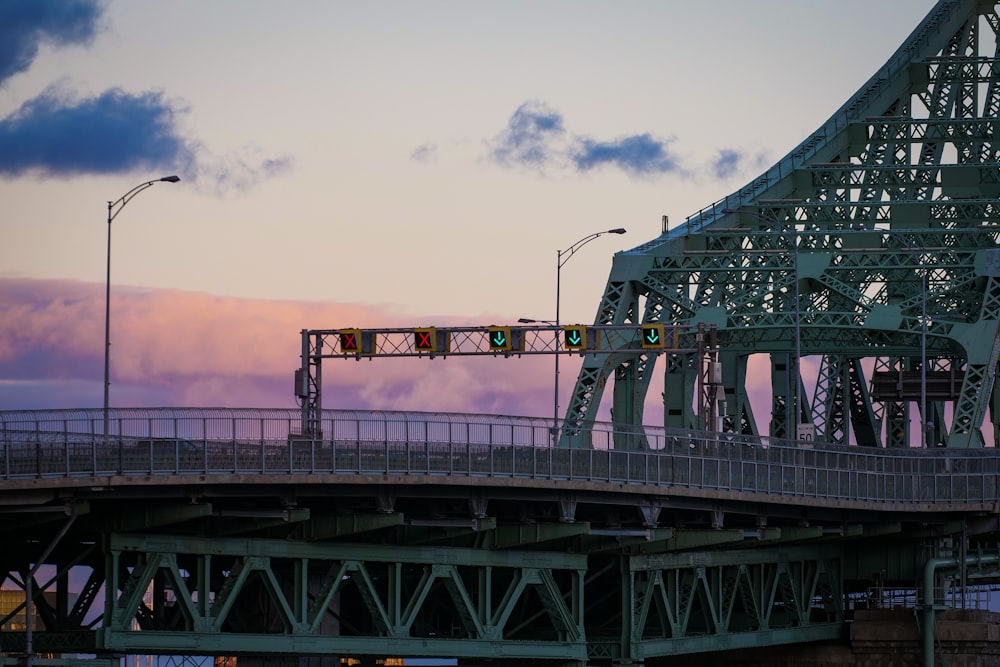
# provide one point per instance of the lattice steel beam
(890, 212)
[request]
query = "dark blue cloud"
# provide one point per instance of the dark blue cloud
(57, 135)
(25, 24)
(115, 132)
(535, 137)
(529, 136)
(727, 163)
(639, 155)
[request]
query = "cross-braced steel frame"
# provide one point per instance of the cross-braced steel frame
(870, 249)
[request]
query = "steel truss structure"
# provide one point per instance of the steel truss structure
(871, 248)
(172, 594)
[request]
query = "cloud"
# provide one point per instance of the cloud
(26, 24)
(639, 155)
(58, 135)
(530, 138)
(238, 171)
(173, 348)
(55, 134)
(189, 349)
(424, 153)
(536, 138)
(727, 163)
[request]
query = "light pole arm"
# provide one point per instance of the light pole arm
(570, 251)
(115, 207)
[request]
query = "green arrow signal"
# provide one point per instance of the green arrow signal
(653, 336)
(574, 338)
(499, 339)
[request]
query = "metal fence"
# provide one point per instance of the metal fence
(221, 441)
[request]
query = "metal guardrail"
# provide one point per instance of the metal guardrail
(52, 444)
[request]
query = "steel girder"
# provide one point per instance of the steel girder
(229, 596)
(872, 247)
(687, 603)
(184, 595)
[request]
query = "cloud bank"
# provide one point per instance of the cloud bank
(171, 348)
(57, 134)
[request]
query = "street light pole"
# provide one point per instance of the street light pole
(114, 208)
(560, 261)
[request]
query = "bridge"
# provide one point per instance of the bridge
(416, 534)
(306, 536)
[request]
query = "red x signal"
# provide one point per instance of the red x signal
(350, 340)
(424, 340)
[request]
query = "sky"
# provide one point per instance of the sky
(380, 164)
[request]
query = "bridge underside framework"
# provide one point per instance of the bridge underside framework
(258, 596)
(525, 576)
(866, 258)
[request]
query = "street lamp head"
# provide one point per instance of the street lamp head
(525, 320)
(170, 179)
(617, 230)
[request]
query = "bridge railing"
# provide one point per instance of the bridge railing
(216, 442)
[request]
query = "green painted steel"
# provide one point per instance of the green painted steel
(47, 450)
(230, 596)
(872, 246)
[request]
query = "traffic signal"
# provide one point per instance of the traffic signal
(431, 339)
(652, 336)
(499, 338)
(356, 341)
(350, 341)
(575, 337)
(505, 339)
(424, 340)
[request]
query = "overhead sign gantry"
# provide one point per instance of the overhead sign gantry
(499, 341)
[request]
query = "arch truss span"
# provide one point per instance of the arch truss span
(861, 272)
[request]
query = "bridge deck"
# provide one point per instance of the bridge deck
(497, 452)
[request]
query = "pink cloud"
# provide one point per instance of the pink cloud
(179, 349)
(172, 348)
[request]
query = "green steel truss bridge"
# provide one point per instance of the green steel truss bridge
(875, 240)
(316, 534)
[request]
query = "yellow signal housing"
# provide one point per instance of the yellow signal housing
(653, 337)
(499, 339)
(425, 340)
(575, 337)
(350, 341)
